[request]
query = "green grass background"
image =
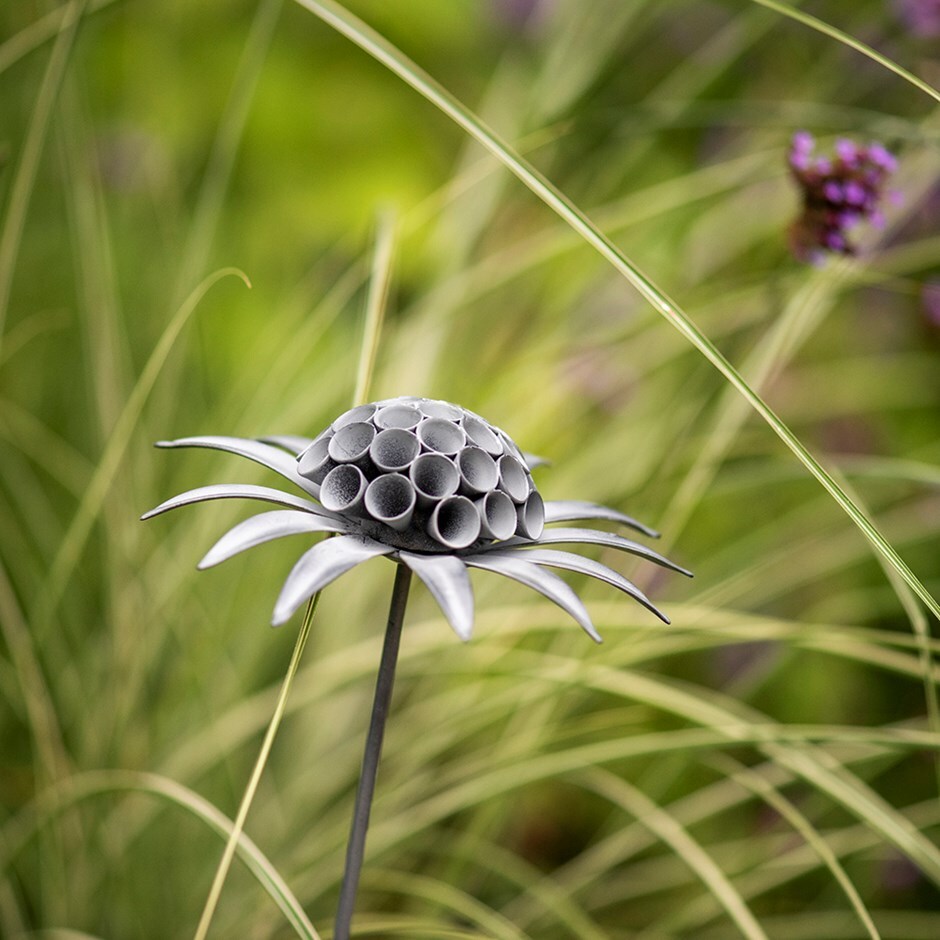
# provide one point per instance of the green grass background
(766, 766)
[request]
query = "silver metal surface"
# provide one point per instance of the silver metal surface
(265, 527)
(445, 576)
(515, 566)
(319, 566)
(576, 510)
(268, 456)
(429, 484)
(593, 569)
(293, 443)
(609, 540)
(267, 494)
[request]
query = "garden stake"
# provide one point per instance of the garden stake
(355, 848)
(436, 489)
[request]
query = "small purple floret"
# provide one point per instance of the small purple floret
(881, 158)
(799, 161)
(855, 194)
(846, 150)
(803, 142)
(838, 193)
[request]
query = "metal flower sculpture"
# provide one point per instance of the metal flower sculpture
(438, 490)
(428, 484)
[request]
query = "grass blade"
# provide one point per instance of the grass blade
(237, 830)
(93, 498)
(671, 831)
(766, 791)
(375, 306)
(40, 31)
(225, 146)
(826, 29)
(73, 790)
(390, 56)
(25, 178)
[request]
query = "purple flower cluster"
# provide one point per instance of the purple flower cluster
(838, 193)
(922, 17)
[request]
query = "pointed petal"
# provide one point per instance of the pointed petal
(267, 455)
(292, 443)
(568, 510)
(512, 565)
(533, 460)
(607, 539)
(319, 566)
(593, 569)
(265, 528)
(267, 494)
(447, 579)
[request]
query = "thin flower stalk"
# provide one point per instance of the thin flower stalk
(381, 705)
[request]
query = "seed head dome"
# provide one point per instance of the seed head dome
(424, 475)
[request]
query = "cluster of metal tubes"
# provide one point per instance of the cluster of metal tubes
(431, 475)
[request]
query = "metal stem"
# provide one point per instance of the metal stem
(355, 848)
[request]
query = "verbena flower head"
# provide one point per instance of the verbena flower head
(838, 193)
(431, 486)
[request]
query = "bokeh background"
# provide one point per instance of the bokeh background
(766, 766)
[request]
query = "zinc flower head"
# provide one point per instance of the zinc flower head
(427, 484)
(838, 193)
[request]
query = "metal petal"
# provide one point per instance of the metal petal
(265, 528)
(593, 569)
(568, 510)
(533, 460)
(266, 494)
(319, 566)
(267, 455)
(293, 443)
(512, 565)
(447, 579)
(608, 539)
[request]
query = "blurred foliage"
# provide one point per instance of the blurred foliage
(531, 785)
